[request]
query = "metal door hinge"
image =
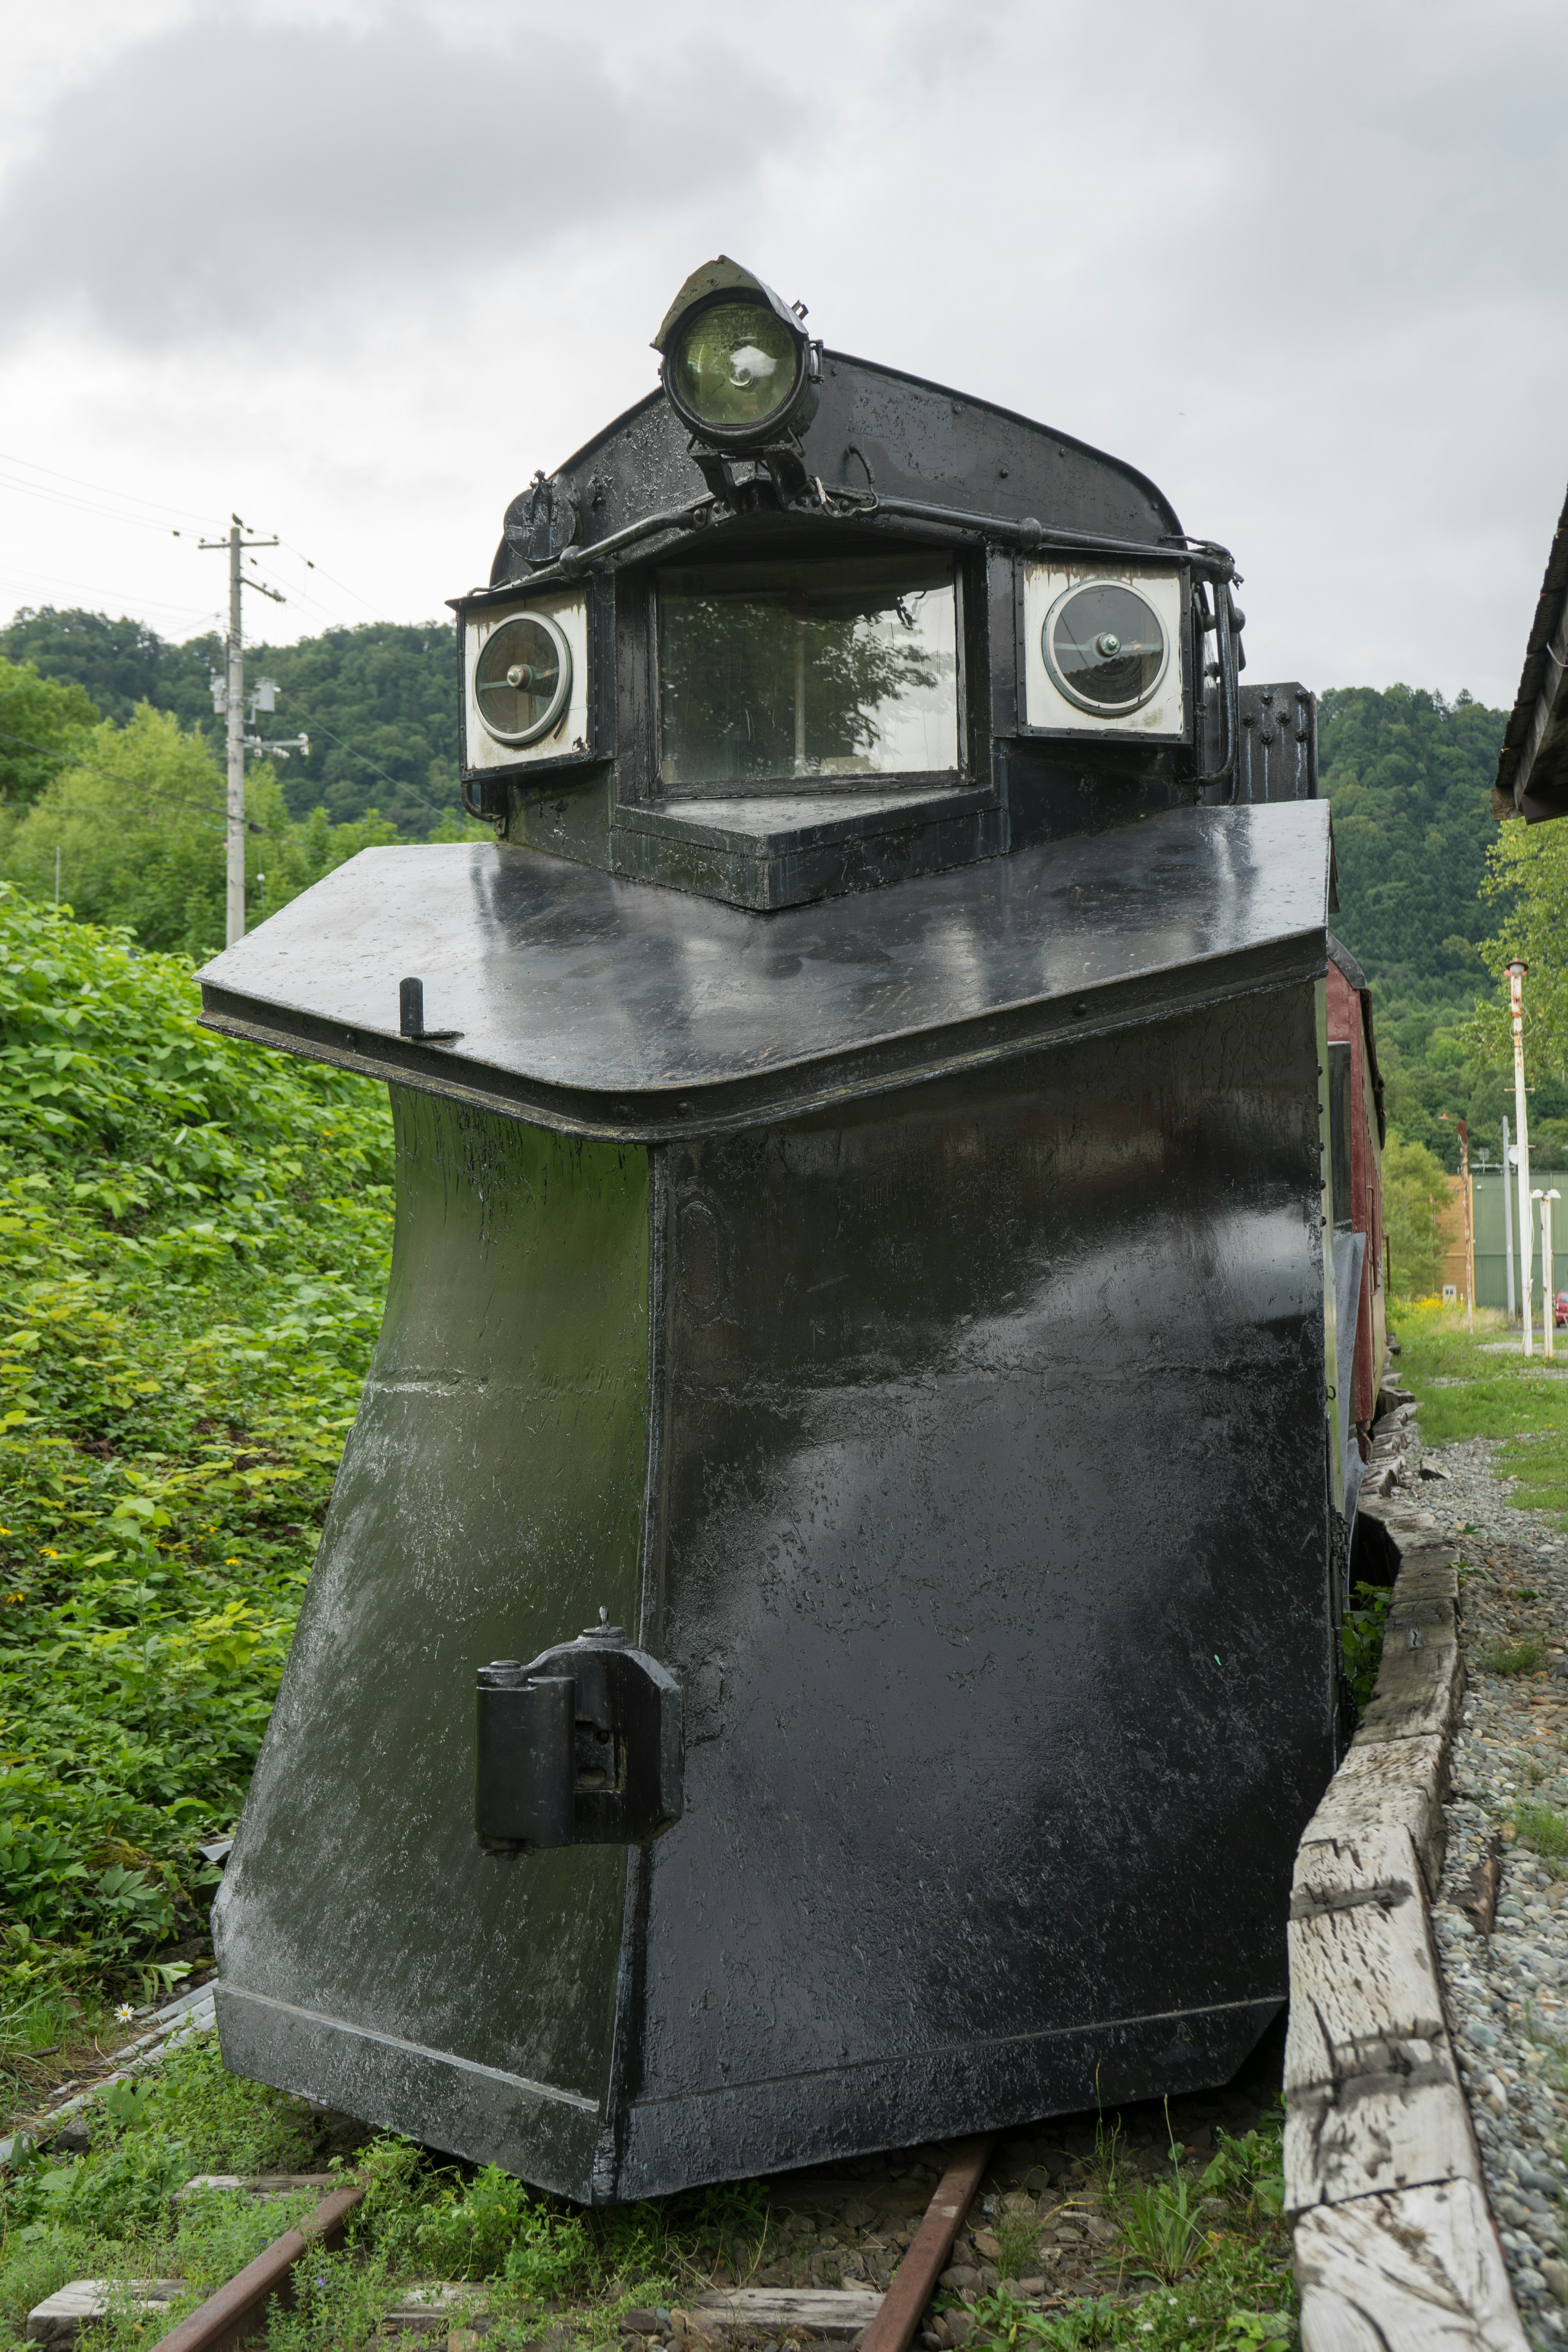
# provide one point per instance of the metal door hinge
(581, 1746)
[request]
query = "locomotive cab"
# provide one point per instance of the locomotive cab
(794, 626)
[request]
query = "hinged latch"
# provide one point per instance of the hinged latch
(582, 1747)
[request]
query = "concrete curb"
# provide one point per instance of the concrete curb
(1395, 2244)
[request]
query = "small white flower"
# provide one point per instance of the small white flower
(125, 2013)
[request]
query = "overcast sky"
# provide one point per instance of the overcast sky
(356, 270)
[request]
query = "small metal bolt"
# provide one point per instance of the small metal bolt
(411, 1008)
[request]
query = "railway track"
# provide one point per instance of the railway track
(883, 2253)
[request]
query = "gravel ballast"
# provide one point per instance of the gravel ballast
(1507, 1988)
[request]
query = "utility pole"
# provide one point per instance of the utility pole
(1516, 972)
(1469, 1224)
(228, 701)
(1506, 1223)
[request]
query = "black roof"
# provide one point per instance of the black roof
(1533, 769)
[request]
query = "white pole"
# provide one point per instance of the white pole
(1547, 1277)
(1516, 972)
(234, 910)
(1507, 1225)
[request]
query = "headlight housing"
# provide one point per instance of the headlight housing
(734, 370)
(739, 370)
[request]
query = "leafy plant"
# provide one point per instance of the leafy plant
(339, 2300)
(1361, 1638)
(1512, 1658)
(1018, 2230)
(127, 2101)
(193, 1253)
(1545, 1832)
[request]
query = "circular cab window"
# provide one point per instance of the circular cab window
(524, 679)
(1105, 648)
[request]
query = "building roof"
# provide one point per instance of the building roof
(1532, 767)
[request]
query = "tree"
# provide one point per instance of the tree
(1526, 881)
(44, 723)
(140, 823)
(1418, 1215)
(1409, 776)
(138, 820)
(120, 662)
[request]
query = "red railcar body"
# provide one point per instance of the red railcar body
(1359, 1132)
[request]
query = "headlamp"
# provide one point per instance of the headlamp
(734, 370)
(738, 365)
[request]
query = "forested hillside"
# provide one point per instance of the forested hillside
(379, 703)
(1409, 778)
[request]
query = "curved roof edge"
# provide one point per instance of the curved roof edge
(1533, 766)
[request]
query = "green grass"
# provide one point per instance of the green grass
(111, 2213)
(1215, 2241)
(194, 1239)
(537, 2263)
(1512, 1658)
(1544, 1831)
(1523, 1402)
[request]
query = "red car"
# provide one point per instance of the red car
(1561, 1317)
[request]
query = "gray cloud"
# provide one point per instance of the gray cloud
(227, 175)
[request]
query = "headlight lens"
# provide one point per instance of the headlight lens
(734, 365)
(1104, 646)
(523, 678)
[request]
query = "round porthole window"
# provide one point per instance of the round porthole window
(1105, 648)
(522, 680)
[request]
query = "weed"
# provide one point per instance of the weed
(1103, 2165)
(127, 2102)
(1544, 1831)
(1163, 2228)
(1239, 2300)
(1018, 2230)
(1512, 1658)
(1361, 1637)
(339, 2300)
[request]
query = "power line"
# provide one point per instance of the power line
(80, 505)
(131, 595)
(312, 565)
(9, 457)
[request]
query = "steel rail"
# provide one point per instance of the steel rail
(239, 2308)
(237, 2311)
(914, 2281)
